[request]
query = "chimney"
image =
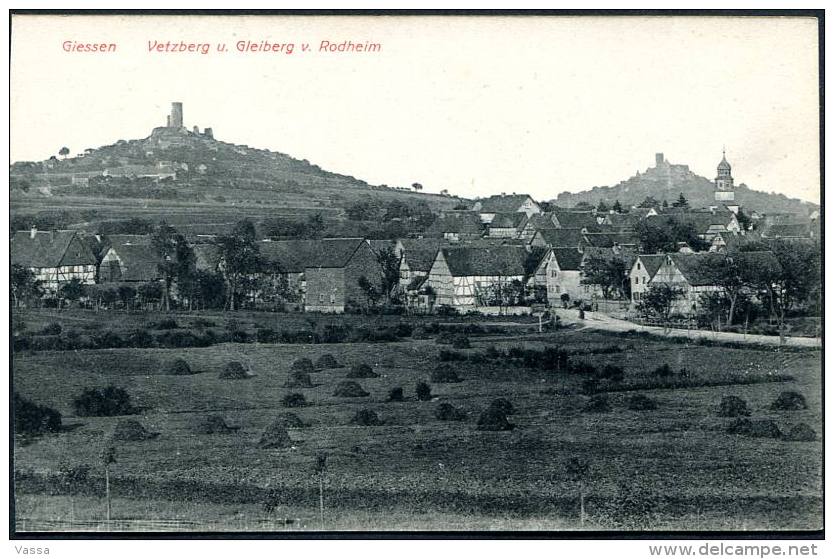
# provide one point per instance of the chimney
(33, 232)
(658, 159)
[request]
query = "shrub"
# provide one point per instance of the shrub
(445, 373)
(299, 337)
(740, 426)
(598, 403)
(641, 402)
(350, 389)
(503, 405)
(423, 391)
(294, 400)
(403, 330)
(460, 341)
(327, 361)
(266, 336)
(108, 339)
(289, 420)
(612, 373)
(52, 329)
(179, 339)
(139, 338)
(448, 412)
(31, 418)
(790, 401)
(663, 371)
(366, 417)
(363, 370)
(446, 355)
(493, 419)
(275, 436)
(234, 370)
(583, 369)
(801, 432)
(590, 386)
(733, 406)
(396, 394)
(164, 324)
(178, 367)
(202, 323)
(213, 424)
(131, 430)
(103, 402)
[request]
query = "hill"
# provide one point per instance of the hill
(665, 181)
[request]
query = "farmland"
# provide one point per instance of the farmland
(672, 468)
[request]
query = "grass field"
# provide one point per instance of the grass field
(672, 468)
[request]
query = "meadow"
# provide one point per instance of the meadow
(671, 468)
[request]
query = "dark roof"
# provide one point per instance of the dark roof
(628, 220)
(626, 254)
(576, 219)
(139, 262)
(294, 256)
(515, 220)
(466, 223)
(568, 258)
(609, 239)
(378, 245)
(419, 254)
(503, 203)
(701, 220)
(488, 261)
(544, 220)
(50, 249)
(564, 237)
(695, 266)
(652, 262)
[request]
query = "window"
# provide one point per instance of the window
(321, 297)
(638, 265)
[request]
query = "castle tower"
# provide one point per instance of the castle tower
(724, 192)
(659, 160)
(175, 120)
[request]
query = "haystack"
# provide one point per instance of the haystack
(801, 432)
(234, 370)
(366, 417)
(493, 419)
(213, 424)
(178, 367)
(131, 430)
(349, 389)
(289, 420)
(733, 406)
(445, 373)
(275, 436)
(503, 405)
(299, 379)
(790, 401)
(327, 361)
(363, 370)
(448, 412)
(304, 365)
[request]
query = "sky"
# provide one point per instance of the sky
(475, 105)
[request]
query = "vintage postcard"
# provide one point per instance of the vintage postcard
(492, 272)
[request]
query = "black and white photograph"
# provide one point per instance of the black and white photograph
(447, 273)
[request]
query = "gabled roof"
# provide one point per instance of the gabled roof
(702, 221)
(503, 203)
(515, 220)
(569, 259)
(576, 219)
(544, 220)
(419, 254)
(651, 262)
(489, 261)
(626, 254)
(627, 221)
(139, 262)
(611, 238)
(695, 266)
(565, 237)
(50, 249)
(464, 223)
(296, 255)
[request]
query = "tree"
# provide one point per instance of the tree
(664, 235)
(240, 257)
(665, 203)
(648, 202)
(371, 290)
(583, 206)
(610, 274)
(744, 220)
(602, 207)
(417, 186)
(315, 226)
(64, 152)
(730, 272)
(72, 290)
(681, 202)
(24, 284)
(659, 300)
(617, 207)
(127, 295)
(389, 260)
(176, 258)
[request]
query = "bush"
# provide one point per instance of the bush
(590, 386)
(598, 403)
(327, 361)
(801, 432)
(52, 329)
(733, 406)
(612, 373)
(294, 400)
(108, 339)
(31, 418)
(460, 341)
(366, 417)
(446, 355)
(583, 369)
(396, 394)
(275, 436)
(403, 330)
(445, 373)
(131, 430)
(641, 402)
(178, 367)
(663, 371)
(234, 370)
(103, 402)
(493, 419)
(164, 324)
(266, 336)
(213, 424)
(350, 389)
(503, 405)
(140, 338)
(363, 370)
(790, 401)
(448, 412)
(740, 426)
(423, 391)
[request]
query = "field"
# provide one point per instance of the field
(673, 468)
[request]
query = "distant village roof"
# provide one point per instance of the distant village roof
(296, 255)
(627, 254)
(576, 219)
(506, 220)
(610, 239)
(502, 203)
(419, 258)
(50, 249)
(696, 267)
(628, 220)
(564, 237)
(464, 223)
(569, 259)
(489, 261)
(544, 220)
(139, 262)
(703, 221)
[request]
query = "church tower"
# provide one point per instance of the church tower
(724, 192)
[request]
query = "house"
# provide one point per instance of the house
(707, 223)
(642, 272)
(325, 273)
(565, 237)
(536, 222)
(505, 203)
(690, 272)
(560, 271)
(456, 226)
(622, 221)
(481, 278)
(416, 257)
(507, 225)
(129, 262)
(55, 257)
(574, 219)
(610, 239)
